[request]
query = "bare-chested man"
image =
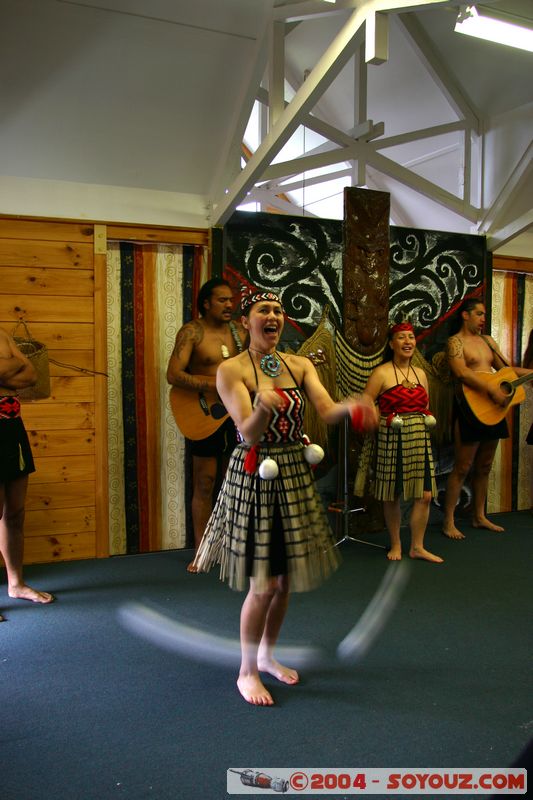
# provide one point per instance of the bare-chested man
(200, 347)
(16, 463)
(470, 353)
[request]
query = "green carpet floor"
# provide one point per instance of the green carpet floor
(89, 710)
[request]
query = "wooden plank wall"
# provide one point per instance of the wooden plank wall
(48, 277)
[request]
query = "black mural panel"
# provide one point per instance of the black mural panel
(300, 258)
(431, 272)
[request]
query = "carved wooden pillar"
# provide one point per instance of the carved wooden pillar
(365, 298)
(366, 268)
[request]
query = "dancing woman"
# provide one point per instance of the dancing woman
(270, 534)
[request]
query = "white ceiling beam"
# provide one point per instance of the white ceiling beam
(276, 72)
(421, 185)
(377, 38)
(366, 130)
(398, 213)
(316, 180)
(382, 164)
(418, 135)
(229, 163)
(323, 74)
(298, 11)
(498, 237)
(360, 88)
(296, 166)
(522, 175)
(441, 75)
(424, 158)
(305, 9)
(326, 70)
(467, 167)
(267, 198)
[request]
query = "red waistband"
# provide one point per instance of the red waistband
(9, 407)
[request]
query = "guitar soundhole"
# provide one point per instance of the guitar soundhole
(507, 388)
(218, 411)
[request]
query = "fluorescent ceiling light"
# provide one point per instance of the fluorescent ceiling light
(495, 26)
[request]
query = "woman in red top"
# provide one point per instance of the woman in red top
(404, 460)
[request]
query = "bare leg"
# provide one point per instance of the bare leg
(464, 457)
(204, 476)
(418, 523)
(253, 620)
(12, 498)
(393, 520)
(275, 616)
(480, 482)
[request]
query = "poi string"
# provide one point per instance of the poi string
(188, 641)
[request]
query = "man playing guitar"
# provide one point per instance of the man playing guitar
(472, 357)
(201, 345)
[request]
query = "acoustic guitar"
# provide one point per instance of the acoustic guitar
(486, 410)
(199, 414)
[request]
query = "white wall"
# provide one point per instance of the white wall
(68, 200)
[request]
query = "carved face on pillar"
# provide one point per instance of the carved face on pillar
(366, 268)
(367, 295)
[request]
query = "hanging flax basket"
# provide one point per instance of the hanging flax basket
(37, 353)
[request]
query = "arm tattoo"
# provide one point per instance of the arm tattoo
(195, 382)
(454, 347)
(191, 332)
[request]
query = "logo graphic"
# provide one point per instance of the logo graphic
(251, 777)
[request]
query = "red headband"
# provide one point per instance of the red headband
(401, 326)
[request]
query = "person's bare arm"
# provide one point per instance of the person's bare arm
(188, 337)
(16, 370)
(251, 422)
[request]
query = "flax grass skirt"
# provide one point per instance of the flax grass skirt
(399, 462)
(248, 507)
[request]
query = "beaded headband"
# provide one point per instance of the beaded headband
(250, 299)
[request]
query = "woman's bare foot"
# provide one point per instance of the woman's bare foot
(394, 553)
(1, 618)
(452, 533)
(192, 568)
(483, 522)
(421, 552)
(253, 691)
(25, 592)
(273, 667)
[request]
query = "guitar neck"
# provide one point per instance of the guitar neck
(522, 379)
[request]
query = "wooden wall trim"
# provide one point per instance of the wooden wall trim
(100, 390)
(139, 233)
(81, 230)
(510, 264)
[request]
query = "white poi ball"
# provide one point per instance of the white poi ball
(396, 421)
(313, 454)
(430, 421)
(268, 469)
